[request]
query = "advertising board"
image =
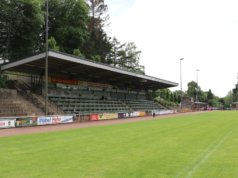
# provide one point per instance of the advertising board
(162, 112)
(135, 114)
(107, 116)
(26, 121)
(94, 117)
(142, 113)
(7, 123)
(84, 118)
(123, 115)
(66, 119)
(148, 113)
(54, 120)
(44, 120)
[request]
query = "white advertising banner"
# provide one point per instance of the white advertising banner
(54, 120)
(66, 119)
(7, 123)
(44, 120)
(162, 112)
(135, 114)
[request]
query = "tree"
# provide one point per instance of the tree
(210, 95)
(171, 97)
(222, 101)
(68, 21)
(235, 93)
(75, 27)
(98, 44)
(164, 93)
(21, 23)
(192, 89)
(4, 28)
(98, 14)
(210, 98)
(77, 52)
(215, 102)
(166, 97)
(125, 56)
(131, 58)
(228, 99)
(53, 44)
(3, 81)
(116, 52)
(178, 94)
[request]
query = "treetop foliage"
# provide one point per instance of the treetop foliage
(75, 27)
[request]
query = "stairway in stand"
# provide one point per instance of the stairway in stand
(12, 104)
(37, 100)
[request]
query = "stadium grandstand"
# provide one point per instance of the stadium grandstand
(76, 86)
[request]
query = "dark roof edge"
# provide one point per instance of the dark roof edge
(84, 61)
(22, 61)
(107, 67)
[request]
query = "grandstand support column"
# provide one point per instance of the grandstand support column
(46, 57)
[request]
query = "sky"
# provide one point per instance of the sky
(203, 32)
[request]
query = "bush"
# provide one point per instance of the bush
(3, 81)
(166, 103)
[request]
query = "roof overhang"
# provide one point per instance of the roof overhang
(72, 67)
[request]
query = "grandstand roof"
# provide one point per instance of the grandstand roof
(72, 67)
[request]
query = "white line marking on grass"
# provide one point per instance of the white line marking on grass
(207, 155)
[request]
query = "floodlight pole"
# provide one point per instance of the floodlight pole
(237, 78)
(46, 57)
(197, 75)
(181, 85)
(197, 85)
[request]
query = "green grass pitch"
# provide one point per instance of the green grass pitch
(197, 146)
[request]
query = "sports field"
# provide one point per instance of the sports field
(201, 145)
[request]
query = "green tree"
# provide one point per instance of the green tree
(75, 27)
(192, 89)
(77, 52)
(210, 98)
(21, 23)
(202, 96)
(131, 56)
(214, 102)
(210, 95)
(171, 97)
(235, 93)
(178, 94)
(53, 44)
(68, 24)
(4, 28)
(228, 99)
(125, 55)
(164, 93)
(116, 53)
(3, 81)
(97, 13)
(166, 97)
(222, 101)
(98, 44)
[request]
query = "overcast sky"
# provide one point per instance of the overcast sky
(203, 32)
